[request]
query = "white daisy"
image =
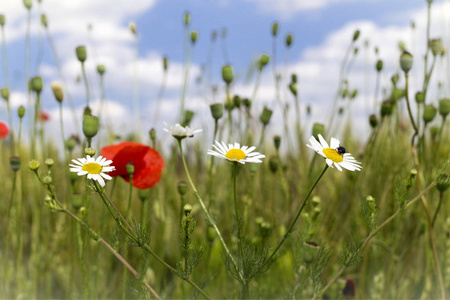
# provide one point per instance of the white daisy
(94, 168)
(334, 153)
(236, 153)
(179, 131)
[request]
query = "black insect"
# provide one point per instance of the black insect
(341, 150)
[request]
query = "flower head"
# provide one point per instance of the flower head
(42, 116)
(236, 153)
(4, 130)
(334, 154)
(95, 169)
(147, 162)
(180, 132)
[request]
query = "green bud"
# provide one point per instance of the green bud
(294, 78)
(130, 168)
(237, 101)
(379, 65)
(70, 144)
(397, 94)
(273, 164)
(47, 180)
(308, 110)
(21, 111)
(36, 84)
(194, 37)
(187, 208)
(182, 188)
(101, 69)
(213, 35)
(386, 107)
(28, 4)
(373, 120)
(81, 53)
(443, 182)
(263, 61)
(152, 134)
(2, 20)
(354, 94)
(229, 104)
(247, 103)
(420, 97)
(401, 46)
(444, 107)
(429, 113)
(77, 201)
(89, 151)
(91, 125)
(436, 46)
(317, 129)
(186, 19)
(34, 165)
(406, 61)
(14, 163)
(216, 110)
(394, 79)
(266, 115)
(277, 141)
(165, 63)
(293, 88)
(133, 29)
(49, 162)
(5, 93)
(227, 74)
(188, 115)
(340, 110)
(316, 201)
(57, 91)
(274, 29)
(143, 194)
(356, 35)
(344, 93)
(289, 40)
(44, 20)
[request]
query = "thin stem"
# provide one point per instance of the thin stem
(441, 197)
(86, 84)
(416, 131)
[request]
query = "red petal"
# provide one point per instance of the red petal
(4, 130)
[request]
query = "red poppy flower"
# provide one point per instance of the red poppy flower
(43, 116)
(4, 130)
(148, 163)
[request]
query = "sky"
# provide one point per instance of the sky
(322, 31)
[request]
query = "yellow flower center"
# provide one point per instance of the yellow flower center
(236, 154)
(92, 168)
(332, 154)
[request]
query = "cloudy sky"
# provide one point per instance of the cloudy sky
(322, 31)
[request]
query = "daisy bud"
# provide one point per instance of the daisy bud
(420, 97)
(444, 107)
(356, 35)
(90, 126)
(216, 110)
(101, 69)
(182, 188)
(429, 113)
(44, 20)
(247, 103)
(293, 88)
(266, 115)
(5, 93)
(315, 201)
(194, 37)
(89, 151)
(273, 164)
(21, 111)
(263, 61)
(36, 84)
(386, 107)
(57, 91)
(28, 4)
(143, 194)
(186, 19)
(277, 141)
(394, 79)
(2, 20)
(49, 162)
(47, 180)
(274, 29)
(70, 144)
(14, 163)
(165, 63)
(317, 129)
(443, 182)
(132, 27)
(289, 39)
(406, 61)
(34, 165)
(81, 53)
(187, 208)
(76, 201)
(373, 120)
(188, 115)
(227, 74)
(435, 46)
(379, 65)
(237, 101)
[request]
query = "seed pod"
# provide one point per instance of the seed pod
(21, 111)
(394, 79)
(406, 61)
(274, 29)
(227, 74)
(216, 110)
(188, 115)
(317, 129)
(443, 182)
(130, 168)
(386, 107)
(182, 188)
(57, 91)
(152, 134)
(266, 115)
(420, 97)
(194, 36)
(379, 65)
(373, 121)
(2, 20)
(36, 84)
(247, 103)
(70, 144)
(293, 88)
(289, 40)
(435, 46)
(429, 113)
(133, 29)
(294, 78)
(263, 61)
(14, 163)
(81, 53)
(356, 35)
(186, 19)
(444, 107)
(44, 20)
(90, 126)
(165, 63)
(237, 101)
(273, 164)
(277, 141)
(28, 4)
(5, 93)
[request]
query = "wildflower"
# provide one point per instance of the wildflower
(147, 162)
(236, 153)
(4, 130)
(180, 132)
(334, 154)
(42, 116)
(95, 169)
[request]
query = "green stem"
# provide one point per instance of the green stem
(416, 131)
(86, 84)
(441, 197)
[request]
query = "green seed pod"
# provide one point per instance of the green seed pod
(293, 88)
(14, 163)
(44, 20)
(36, 84)
(275, 28)
(308, 110)
(194, 36)
(386, 107)
(21, 111)
(444, 107)
(340, 110)
(373, 120)
(354, 94)
(356, 35)
(130, 168)
(394, 79)
(133, 29)
(57, 91)
(294, 78)
(186, 19)
(28, 4)
(237, 101)
(289, 40)
(188, 115)
(344, 93)
(5, 93)
(379, 65)
(165, 63)
(187, 209)
(420, 97)
(91, 125)
(89, 151)
(227, 74)
(406, 61)
(81, 53)
(216, 110)
(277, 141)
(317, 129)
(266, 115)
(247, 103)
(34, 165)
(401, 46)
(2, 20)
(397, 94)
(152, 134)
(101, 69)
(70, 144)
(443, 182)
(429, 113)
(435, 46)
(263, 61)
(355, 51)
(229, 104)
(182, 188)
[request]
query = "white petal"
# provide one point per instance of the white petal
(338, 167)
(334, 143)
(323, 142)
(329, 162)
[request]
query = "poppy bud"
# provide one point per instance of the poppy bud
(182, 188)
(28, 4)
(237, 101)
(317, 129)
(308, 110)
(70, 144)
(5, 93)
(356, 35)
(386, 107)
(44, 20)
(130, 168)
(444, 107)
(90, 126)
(2, 20)
(443, 182)
(132, 27)
(266, 115)
(81, 53)
(101, 69)
(293, 88)
(14, 163)
(194, 37)
(420, 97)
(152, 134)
(21, 111)
(340, 110)
(401, 46)
(263, 61)
(274, 29)
(57, 91)
(36, 84)
(216, 110)
(186, 19)
(277, 141)
(229, 104)
(397, 94)
(273, 164)
(165, 63)
(394, 79)
(247, 103)
(435, 46)
(429, 113)
(227, 74)
(187, 208)
(289, 40)
(188, 115)
(354, 94)
(373, 120)
(379, 65)
(34, 165)
(213, 35)
(294, 78)
(406, 61)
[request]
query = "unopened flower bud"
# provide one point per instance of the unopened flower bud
(394, 79)
(182, 188)
(5, 93)
(386, 107)
(420, 97)
(263, 61)
(101, 69)
(47, 180)
(91, 125)
(186, 19)
(188, 115)
(293, 88)
(77, 201)
(36, 84)
(152, 134)
(57, 91)
(247, 103)
(21, 111)
(435, 46)
(81, 53)
(444, 107)
(187, 208)
(274, 28)
(406, 61)
(28, 4)
(237, 101)
(165, 63)
(354, 94)
(379, 65)
(49, 162)
(216, 110)
(273, 164)
(356, 35)
(443, 182)
(2, 20)
(130, 168)
(289, 40)
(14, 163)
(227, 74)
(266, 115)
(429, 113)
(194, 36)
(44, 20)
(132, 27)
(277, 141)
(89, 151)
(317, 129)
(143, 194)
(34, 165)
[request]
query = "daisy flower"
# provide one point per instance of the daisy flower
(179, 131)
(94, 168)
(236, 153)
(334, 154)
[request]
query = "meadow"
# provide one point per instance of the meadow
(318, 214)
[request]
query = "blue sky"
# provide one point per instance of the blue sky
(322, 30)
